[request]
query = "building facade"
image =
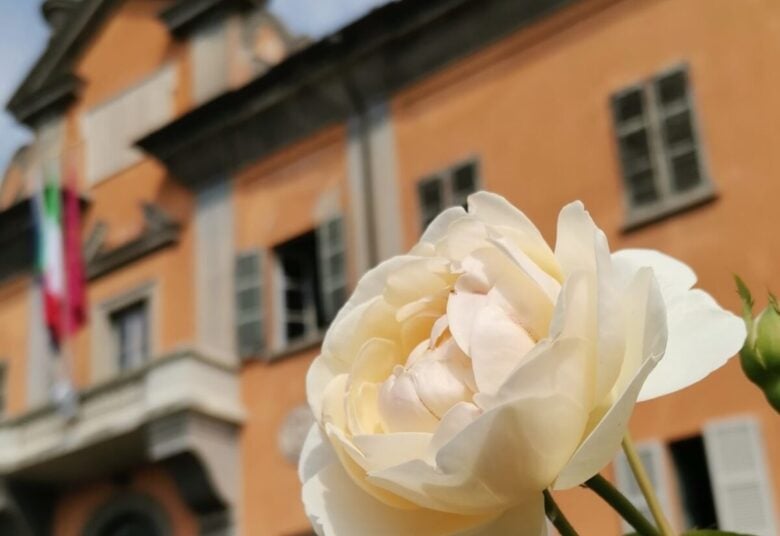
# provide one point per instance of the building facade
(237, 180)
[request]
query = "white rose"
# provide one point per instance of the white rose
(461, 380)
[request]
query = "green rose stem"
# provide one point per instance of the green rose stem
(556, 517)
(604, 489)
(647, 488)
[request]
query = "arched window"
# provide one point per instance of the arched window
(129, 515)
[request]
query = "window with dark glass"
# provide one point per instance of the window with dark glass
(658, 146)
(693, 479)
(448, 188)
(313, 268)
(130, 327)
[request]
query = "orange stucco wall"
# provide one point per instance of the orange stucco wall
(277, 200)
(75, 509)
(136, 38)
(14, 304)
(535, 109)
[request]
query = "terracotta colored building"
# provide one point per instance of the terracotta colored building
(237, 180)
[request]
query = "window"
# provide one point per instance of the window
(446, 189)
(249, 304)
(130, 328)
(659, 147)
(693, 481)
(738, 472)
(313, 281)
(111, 129)
(721, 478)
(652, 456)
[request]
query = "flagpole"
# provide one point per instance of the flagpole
(68, 402)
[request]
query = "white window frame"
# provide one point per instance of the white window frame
(445, 179)
(668, 201)
(105, 361)
(658, 474)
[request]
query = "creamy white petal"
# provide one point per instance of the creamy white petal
(336, 506)
(381, 451)
(456, 419)
(581, 246)
(649, 337)
(462, 308)
(501, 458)
(702, 335)
(525, 519)
(316, 454)
(440, 225)
(500, 213)
(400, 406)
(497, 346)
(702, 338)
(465, 235)
(674, 276)
(321, 372)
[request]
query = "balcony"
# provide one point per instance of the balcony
(181, 410)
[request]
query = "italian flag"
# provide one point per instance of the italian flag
(59, 258)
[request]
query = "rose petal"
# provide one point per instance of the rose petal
(336, 506)
(702, 338)
(497, 346)
(440, 225)
(646, 330)
(503, 457)
(526, 519)
(498, 212)
(674, 276)
(581, 246)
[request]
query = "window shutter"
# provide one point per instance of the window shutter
(249, 304)
(736, 460)
(332, 266)
(652, 456)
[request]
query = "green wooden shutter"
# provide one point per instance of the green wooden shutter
(331, 255)
(249, 317)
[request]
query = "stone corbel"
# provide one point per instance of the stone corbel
(202, 455)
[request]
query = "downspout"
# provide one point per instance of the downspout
(363, 129)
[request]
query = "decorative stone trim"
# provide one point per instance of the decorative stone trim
(159, 231)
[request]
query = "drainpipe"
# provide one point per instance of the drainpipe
(363, 128)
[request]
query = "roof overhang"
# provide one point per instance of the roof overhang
(324, 84)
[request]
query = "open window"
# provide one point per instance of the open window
(312, 282)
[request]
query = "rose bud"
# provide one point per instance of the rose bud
(760, 357)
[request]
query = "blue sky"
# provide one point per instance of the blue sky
(23, 35)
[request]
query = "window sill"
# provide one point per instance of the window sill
(637, 218)
(295, 347)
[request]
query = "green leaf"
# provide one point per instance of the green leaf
(747, 302)
(773, 303)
